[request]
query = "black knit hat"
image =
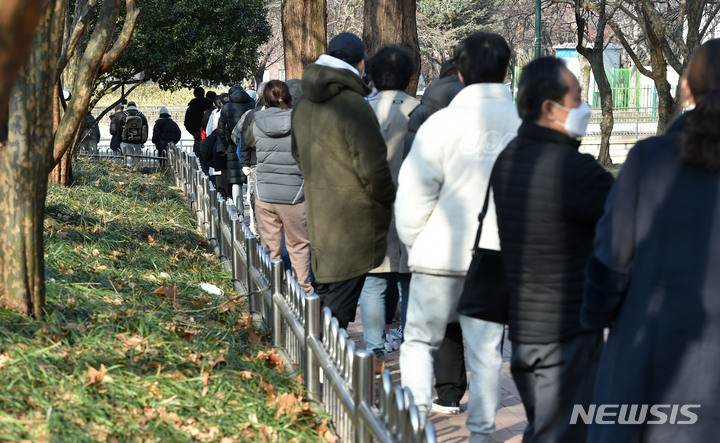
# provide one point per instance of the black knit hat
(347, 47)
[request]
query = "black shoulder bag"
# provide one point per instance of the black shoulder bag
(486, 292)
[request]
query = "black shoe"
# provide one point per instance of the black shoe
(445, 407)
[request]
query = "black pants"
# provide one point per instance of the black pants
(341, 297)
(449, 365)
(551, 379)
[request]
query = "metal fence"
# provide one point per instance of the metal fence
(337, 375)
(148, 158)
(635, 121)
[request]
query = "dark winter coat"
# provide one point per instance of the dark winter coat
(165, 131)
(90, 134)
(194, 114)
(236, 157)
(115, 135)
(548, 198)
(349, 192)
(654, 280)
(279, 179)
(240, 102)
(437, 95)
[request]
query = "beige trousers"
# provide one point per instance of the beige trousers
(272, 218)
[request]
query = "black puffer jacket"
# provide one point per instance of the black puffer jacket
(548, 198)
(234, 161)
(248, 155)
(240, 102)
(437, 95)
(165, 131)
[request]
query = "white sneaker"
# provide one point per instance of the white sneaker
(397, 333)
(391, 345)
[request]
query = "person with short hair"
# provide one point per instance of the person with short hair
(114, 134)
(440, 194)
(390, 69)
(548, 199)
(194, 113)
(349, 191)
(449, 359)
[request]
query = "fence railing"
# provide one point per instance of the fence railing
(636, 121)
(336, 374)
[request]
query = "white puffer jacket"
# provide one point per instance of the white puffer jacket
(443, 180)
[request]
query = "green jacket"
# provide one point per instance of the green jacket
(349, 191)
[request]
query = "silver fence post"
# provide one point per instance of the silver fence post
(312, 331)
(250, 254)
(277, 290)
(236, 229)
(363, 386)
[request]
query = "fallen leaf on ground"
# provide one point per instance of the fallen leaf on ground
(95, 375)
(272, 358)
(4, 359)
(167, 291)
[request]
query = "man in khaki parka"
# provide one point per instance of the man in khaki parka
(349, 191)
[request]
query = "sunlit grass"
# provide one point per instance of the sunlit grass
(127, 350)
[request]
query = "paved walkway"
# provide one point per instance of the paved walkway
(510, 421)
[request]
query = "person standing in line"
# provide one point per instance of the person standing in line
(349, 191)
(114, 134)
(133, 129)
(90, 136)
(165, 131)
(449, 359)
(440, 194)
(280, 199)
(390, 70)
(548, 199)
(194, 113)
(653, 280)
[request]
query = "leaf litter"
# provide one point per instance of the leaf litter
(119, 357)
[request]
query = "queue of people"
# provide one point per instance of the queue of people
(581, 252)
(372, 197)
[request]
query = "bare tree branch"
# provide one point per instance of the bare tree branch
(78, 27)
(123, 39)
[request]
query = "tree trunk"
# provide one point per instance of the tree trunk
(608, 121)
(18, 19)
(304, 24)
(62, 173)
(24, 165)
(594, 56)
(392, 22)
(585, 70)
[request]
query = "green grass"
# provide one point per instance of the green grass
(123, 265)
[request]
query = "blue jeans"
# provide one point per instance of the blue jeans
(373, 308)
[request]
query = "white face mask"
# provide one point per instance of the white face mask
(577, 120)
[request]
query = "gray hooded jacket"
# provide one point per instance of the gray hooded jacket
(279, 179)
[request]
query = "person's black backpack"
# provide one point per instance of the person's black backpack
(134, 131)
